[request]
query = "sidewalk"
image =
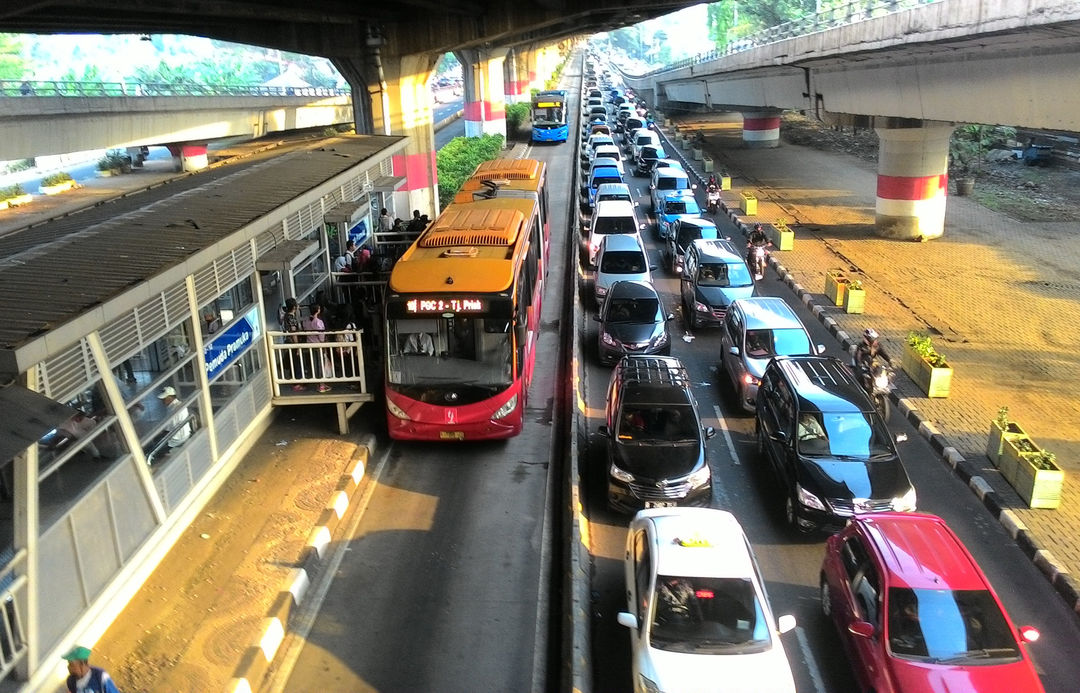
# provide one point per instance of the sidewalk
(995, 295)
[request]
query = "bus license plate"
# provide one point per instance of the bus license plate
(659, 504)
(452, 435)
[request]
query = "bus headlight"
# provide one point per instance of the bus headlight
(506, 409)
(396, 410)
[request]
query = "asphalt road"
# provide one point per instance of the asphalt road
(791, 563)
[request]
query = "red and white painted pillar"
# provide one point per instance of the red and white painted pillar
(912, 181)
(405, 109)
(485, 102)
(189, 157)
(516, 76)
(761, 129)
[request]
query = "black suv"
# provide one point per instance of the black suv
(826, 443)
(656, 444)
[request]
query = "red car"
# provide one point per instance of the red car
(915, 612)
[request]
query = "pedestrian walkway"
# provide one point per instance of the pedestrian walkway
(997, 296)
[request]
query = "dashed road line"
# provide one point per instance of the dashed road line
(808, 658)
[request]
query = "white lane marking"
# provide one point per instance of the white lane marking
(811, 663)
(727, 436)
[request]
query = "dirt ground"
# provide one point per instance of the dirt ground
(1023, 192)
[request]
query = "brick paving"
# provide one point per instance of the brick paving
(996, 295)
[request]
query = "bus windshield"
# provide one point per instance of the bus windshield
(548, 111)
(433, 351)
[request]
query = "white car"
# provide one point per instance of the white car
(620, 257)
(697, 612)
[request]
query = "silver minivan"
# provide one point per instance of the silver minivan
(755, 330)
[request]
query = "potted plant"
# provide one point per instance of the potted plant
(1039, 479)
(926, 366)
(967, 152)
(57, 183)
(781, 235)
(854, 297)
(13, 196)
(1001, 429)
(835, 281)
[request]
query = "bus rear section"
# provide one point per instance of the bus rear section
(548, 115)
(462, 314)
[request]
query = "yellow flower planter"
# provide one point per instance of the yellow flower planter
(708, 163)
(725, 181)
(16, 201)
(748, 202)
(835, 283)
(854, 299)
(935, 381)
(781, 236)
(58, 188)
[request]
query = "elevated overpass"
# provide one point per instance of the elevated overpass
(912, 75)
(40, 118)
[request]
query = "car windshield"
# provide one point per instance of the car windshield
(600, 180)
(707, 616)
(685, 206)
(649, 424)
(672, 183)
(848, 434)
(764, 344)
(633, 310)
(622, 262)
(948, 626)
(605, 225)
(724, 274)
(607, 155)
(604, 197)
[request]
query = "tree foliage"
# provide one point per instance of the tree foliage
(12, 63)
(458, 160)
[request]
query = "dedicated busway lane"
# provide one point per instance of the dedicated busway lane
(791, 562)
(444, 582)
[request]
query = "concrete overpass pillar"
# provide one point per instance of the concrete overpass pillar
(517, 89)
(407, 102)
(485, 102)
(532, 69)
(761, 129)
(189, 157)
(912, 179)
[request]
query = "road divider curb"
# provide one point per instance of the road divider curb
(256, 660)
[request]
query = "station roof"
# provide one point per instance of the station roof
(52, 274)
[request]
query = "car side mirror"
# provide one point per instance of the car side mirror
(670, 316)
(861, 629)
(733, 350)
(604, 431)
(709, 432)
(652, 187)
(779, 436)
(641, 227)
(821, 348)
(653, 268)
(785, 623)
(901, 437)
(627, 619)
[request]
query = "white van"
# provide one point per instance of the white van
(611, 217)
(642, 137)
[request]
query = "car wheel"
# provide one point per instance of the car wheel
(826, 598)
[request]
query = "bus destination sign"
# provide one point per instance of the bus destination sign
(422, 306)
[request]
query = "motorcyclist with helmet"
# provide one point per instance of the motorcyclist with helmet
(867, 352)
(757, 239)
(712, 195)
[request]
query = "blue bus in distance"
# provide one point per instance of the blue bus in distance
(549, 122)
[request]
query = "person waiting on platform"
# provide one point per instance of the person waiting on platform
(78, 426)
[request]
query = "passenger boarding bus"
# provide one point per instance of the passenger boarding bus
(548, 115)
(504, 178)
(462, 316)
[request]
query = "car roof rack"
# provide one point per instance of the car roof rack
(654, 370)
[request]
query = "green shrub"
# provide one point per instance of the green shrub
(21, 165)
(56, 179)
(112, 160)
(517, 114)
(920, 344)
(459, 158)
(11, 191)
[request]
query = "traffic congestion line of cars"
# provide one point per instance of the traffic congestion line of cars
(913, 610)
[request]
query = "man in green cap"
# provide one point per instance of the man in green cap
(84, 678)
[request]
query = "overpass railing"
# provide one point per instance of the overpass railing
(842, 15)
(16, 87)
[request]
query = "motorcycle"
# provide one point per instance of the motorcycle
(712, 198)
(759, 260)
(877, 381)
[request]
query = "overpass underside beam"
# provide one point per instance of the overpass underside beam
(913, 159)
